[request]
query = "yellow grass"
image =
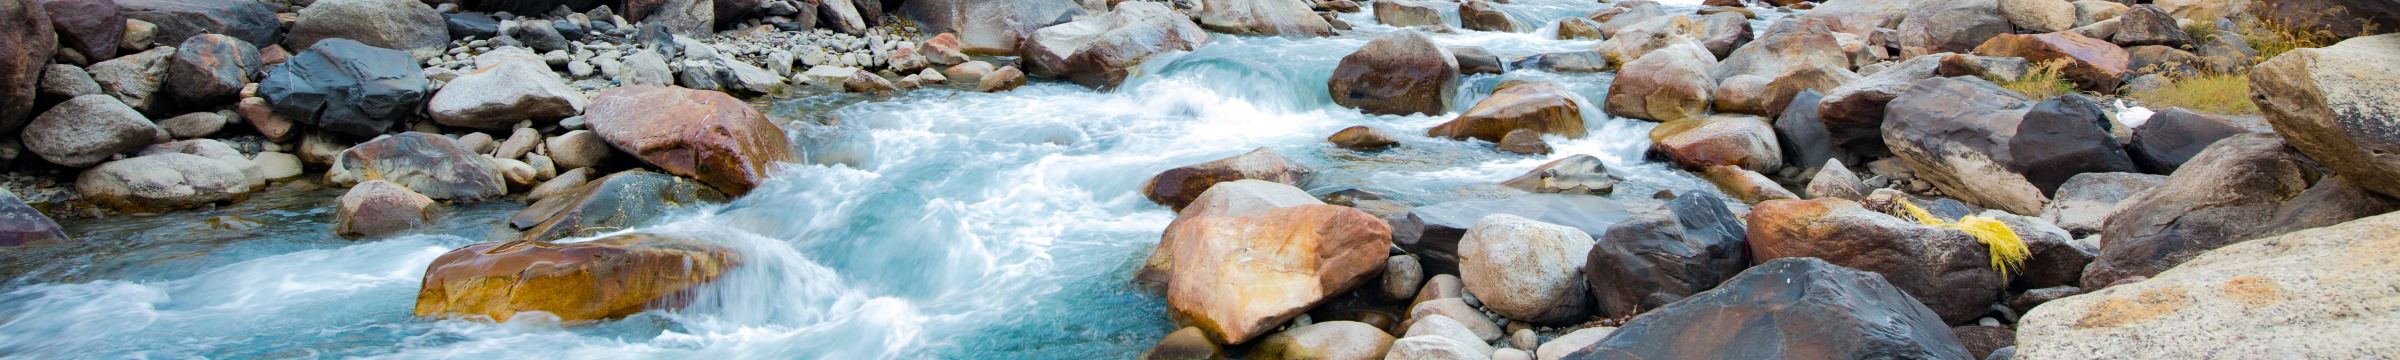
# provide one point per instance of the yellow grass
(2208, 93)
(2042, 81)
(2008, 251)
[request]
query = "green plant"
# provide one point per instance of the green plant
(2043, 80)
(2208, 93)
(2272, 36)
(2202, 32)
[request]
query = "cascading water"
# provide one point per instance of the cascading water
(950, 224)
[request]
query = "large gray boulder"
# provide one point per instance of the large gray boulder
(89, 129)
(1786, 309)
(1956, 134)
(346, 87)
(1101, 51)
(2243, 187)
(1525, 269)
(211, 69)
(514, 86)
(1950, 26)
(26, 44)
(136, 79)
(160, 182)
(989, 27)
(405, 25)
(2337, 105)
(1262, 17)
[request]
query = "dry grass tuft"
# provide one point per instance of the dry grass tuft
(2042, 81)
(2208, 93)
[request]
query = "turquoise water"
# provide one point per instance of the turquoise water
(930, 224)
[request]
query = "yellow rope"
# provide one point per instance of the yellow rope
(2008, 251)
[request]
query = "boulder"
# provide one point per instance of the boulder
(1403, 276)
(1405, 13)
(59, 83)
(1362, 138)
(1656, 259)
(600, 279)
(429, 164)
(161, 182)
(346, 87)
(406, 25)
(1100, 51)
(1575, 29)
(175, 20)
(2309, 294)
(2146, 24)
(1442, 226)
(1726, 32)
(2244, 187)
(1246, 275)
(1180, 186)
(377, 208)
(252, 177)
(1518, 104)
(1523, 141)
(1479, 15)
(1331, 340)
(2335, 104)
(2093, 11)
(1573, 175)
(704, 135)
(1860, 17)
(1853, 113)
(91, 28)
(1947, 270)
(2039, 16)
(2054, 256)
(210, 69)
(578, 149)
(1261, 17)
(1652, 34)
(1737, 140)
(2062, 137)
(470, 25)
(2087, 199)
(2092, 64)
(507, 90)
(193, 125)
(87, 130)
(694, 18)
(1787, 308)
(1793, 56)
(22, 225)
(1005, 79)
(1397, 74)
(1748, 186)
(1244, 197)
(1959, 135)
(988, 27)
(1616, 19)
(1446, 328)
(136, 79)
(1526, 270)
(2170, 138)
(618, 201)
(1836, 181)
(1802, 135)
(842, 16)
(1561, 62)
(1950, 26)
(1665, 85)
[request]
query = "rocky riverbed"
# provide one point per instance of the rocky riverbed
(1335, 179)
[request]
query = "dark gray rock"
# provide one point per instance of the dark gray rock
(210, 69)
(1787, 308)
(1652, 260)
(2062, 137)
(472, 25)
(1806, 144)
(252, 21)
(21, 225)
(346, 87)
(2171, 137)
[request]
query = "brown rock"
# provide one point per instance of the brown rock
(2243, 187)
(1665, 85)
(90, 27)
(1523, 141)
(2093, 64)
(600, 279)
(1945, 269)
(21, 225)
(1738, 140)
(1362, 138)
(705, 135)
(1250, 274)
(1748, 186)
(1539, 106)
(376, 208)
(429, 164)
(27, 42)
(2337, 105)
(1397, 74)
(1178, 187)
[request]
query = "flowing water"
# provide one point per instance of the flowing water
(949, 224)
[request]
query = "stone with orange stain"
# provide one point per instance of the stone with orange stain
(1738, 140)
(701, 134)
(1945, 269)
(600, 279)
(1239, 277)
(2324, 293)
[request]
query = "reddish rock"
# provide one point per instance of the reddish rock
(1397, 74)
(1945, 269)
(377, 208)
(2094, 64)
(1530, 105)
(1247, 275)
(600, 279)
(26, 45)
(1178, 187)
(1737, 140)
(90, 27)
(700, 134)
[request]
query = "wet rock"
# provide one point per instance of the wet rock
(618, 201)
(1836, 181)
(1245, 275)
(1562, 62)
(161, 182)
(566, 183)
(1574, 29)
(470, 25)
(509, 87)
(2039, 16)
(1444, 224)
(1405, 13)
(89, 27)
(1792, 57)
(1231, 198)
(2169, 138)
(988, 27)
(1005, 79)
(346, 87)
(1531, 105)
(193, 125)
(704, 135)
(1362, 138)
(1639, 39)
(2092, 11)
(2092, 64)
(861, 81)
(429, 164)
(1724, 139)
(1331, 340)
(135, 79)
(210, 69)
(1951, 131)
(87, 130)
(377, 208)
(1396, 74)
(2335, 104)
(1748, 186)
(1100, 51)
(2296, 295)
(1261, 17)
(1851, 314)
(1526, 270)
(1652, 260)
(2146, 24)
(1666, 85)
(1479, 15)
(1802, 135)
(1947, 270)
(1180, 186)
(1573, 175)
(2087, 199)
(406, 25)
(604, 278)
(1476, 60)
(1523, 141)
(176, 20)
(1853, 113)
(2244, 187)
(1950, 26)
(21, 225)
(1185, 344)
(1726, 32)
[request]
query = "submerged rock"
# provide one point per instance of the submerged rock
(615, 202)
(1573, 175)
(599, 279)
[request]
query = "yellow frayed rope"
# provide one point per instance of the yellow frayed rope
(2008, 250)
